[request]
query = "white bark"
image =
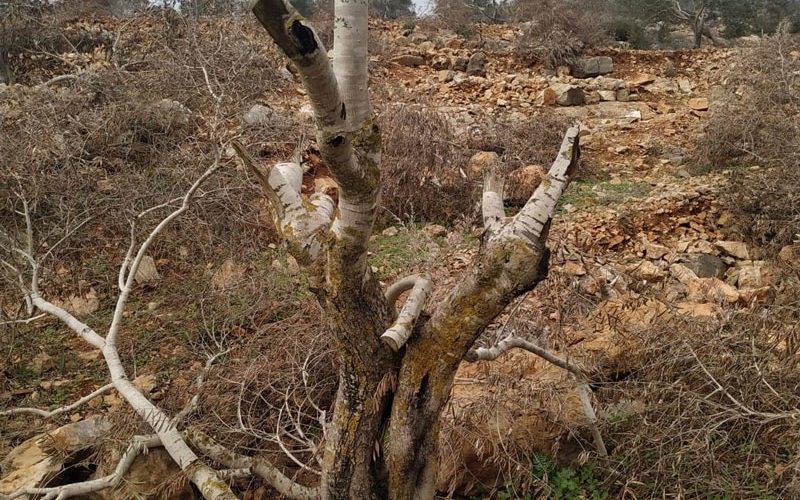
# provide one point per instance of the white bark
(201, 475)
(303, 223)
(492, 200)
(397, 334)
(62, 409)
(350, 58)
(529, 224)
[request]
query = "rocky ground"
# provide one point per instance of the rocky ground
(640, 237)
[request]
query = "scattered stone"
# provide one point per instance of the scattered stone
(477, 64)
(735, 249)
(147, 272)
(574, 268)
(80, 305)
(327, 186)
(713, 290)
(146, 477)
(41, 363)
(640, 80)
(523, 182)
(704, 310)
(790, 254)
(646, 270)
(37, 461)
(749, 277)
(699, 103)
(390, 231)
(460, 64)
(588, 67)
(704, 265)
(608, 95)
(565, 94)
(434, 231)
(682, 273)
(145, 384)
(259, 115)
(410, 60)
(654, 251)
(228, 275)
(480, 161)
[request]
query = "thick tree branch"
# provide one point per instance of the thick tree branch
(302, 224)
(397, 335)
(492, 199)
(530, 223)
(198, 473)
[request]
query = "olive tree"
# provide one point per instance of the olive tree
(396, 369)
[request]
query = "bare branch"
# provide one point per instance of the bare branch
(62, 409)
(303, 223)
(259, 465)
(510, 342)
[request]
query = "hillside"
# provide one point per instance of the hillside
(684, 323)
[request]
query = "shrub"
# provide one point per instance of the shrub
(631, 31)
(556, 32)
(421, 158)
(755, 121)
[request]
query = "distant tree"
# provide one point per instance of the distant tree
(747, 17)
(392, 9)
(691, 13)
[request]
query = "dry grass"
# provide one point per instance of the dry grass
(756, 122)
(555, 33)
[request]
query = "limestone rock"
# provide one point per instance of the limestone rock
(704, 265)
(460, 64)
(480, 161)
(523, 182)
(228, 275)
(42, 362)
(147, 272)
(434, 230)
(712, 290)
(682, 273)
(326, 185)
(477, 64)
(80, 305)
(699, 103)
(410, 60)
(148, 478)
(567, 95)
(37, 461)
(259, 116)
(735, 249)
(654, 251)
(790, 254)
(587, 67)
(646, 270)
